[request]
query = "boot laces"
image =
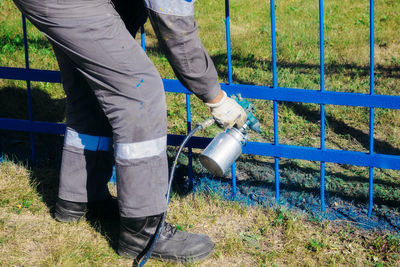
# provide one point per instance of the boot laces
(169, 230)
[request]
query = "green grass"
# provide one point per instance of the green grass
(244, 236)
(261, 237)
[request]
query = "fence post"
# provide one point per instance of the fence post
(275, 104)
(322, 106)
(28, 90)
(371, 111)
(230, 79)
(189, 128)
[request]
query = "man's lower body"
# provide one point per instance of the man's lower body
(115, 113)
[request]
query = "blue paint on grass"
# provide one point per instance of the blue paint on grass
(337, 209)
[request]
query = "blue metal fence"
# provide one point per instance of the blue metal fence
(274, 93)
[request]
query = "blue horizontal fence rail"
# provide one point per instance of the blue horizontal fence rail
(248, 91)
(273, 93)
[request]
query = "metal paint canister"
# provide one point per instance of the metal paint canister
(223, 150)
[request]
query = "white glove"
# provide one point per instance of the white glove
(227, 113)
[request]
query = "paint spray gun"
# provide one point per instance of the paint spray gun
(227, 146)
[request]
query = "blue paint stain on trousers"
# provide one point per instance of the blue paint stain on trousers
(140, 83)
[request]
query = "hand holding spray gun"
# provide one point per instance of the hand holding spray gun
(227, 112)
(235, 115)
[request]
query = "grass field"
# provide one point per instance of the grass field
(244, 236)
(253, 236)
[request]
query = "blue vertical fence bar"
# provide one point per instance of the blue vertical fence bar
(230, 79)
(371, 111)
(322, 106)
(143, 38)
(275, 103)
(234, 189)
(28, 89)
(228, 42)
(189, 128)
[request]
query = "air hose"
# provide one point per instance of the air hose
(141, 260)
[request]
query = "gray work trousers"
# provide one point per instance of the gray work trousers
(176, 30)
(177, 33)
(115, 106)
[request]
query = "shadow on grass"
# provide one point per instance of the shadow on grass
(341, 128)
(107, 228)
(14, 105)
(46, 181)
(297, 179)
(331, 68)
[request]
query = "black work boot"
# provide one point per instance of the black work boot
(69, 211)
(172, 244)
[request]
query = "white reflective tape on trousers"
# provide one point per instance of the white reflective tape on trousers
(87, 142)
(172, 7)
(140, 150)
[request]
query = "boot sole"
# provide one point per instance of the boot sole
(128, 253)
(198, 257)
